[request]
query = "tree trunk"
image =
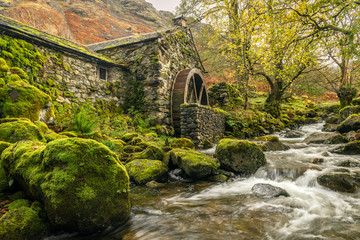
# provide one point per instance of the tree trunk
(273, 102)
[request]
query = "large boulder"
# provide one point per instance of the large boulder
(240, 156)
(196, 165)
(20, 99)
(268, 190)
(341, 181)
(22, 223)
(352, 123)
(329, 127)
(14, 130)
(143, 171)
(325, 138)
(81, 183)
(271, 143)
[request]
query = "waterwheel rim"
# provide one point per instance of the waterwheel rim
(189, 87)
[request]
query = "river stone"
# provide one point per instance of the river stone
(142, 171)
(328, 127)
(268, 190)
(351, 123)
(294, 134)
(182, 143)
(351, 148)
(240, 156)
(349, 164)
(196, 165)
(271, 143)
(325, 138)
(82, 184)
(333, 119)
(341, 181)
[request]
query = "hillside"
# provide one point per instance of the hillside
(88, 21)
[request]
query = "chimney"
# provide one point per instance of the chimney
(180, 21)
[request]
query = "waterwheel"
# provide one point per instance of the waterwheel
(188, 87)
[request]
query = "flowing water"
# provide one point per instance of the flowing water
(201, 210)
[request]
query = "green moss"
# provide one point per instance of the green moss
(3, 179)
(82, 184)
(151, 153)
(267, 138)
(20, 130)
(12, 78)
(18, 71)
(22, 224)
(23, 100)
(142, 171)
(4, 68)
(195, 164)
(18, 204)
(183, 143)
(3, 146)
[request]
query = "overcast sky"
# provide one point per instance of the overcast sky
(167, 5)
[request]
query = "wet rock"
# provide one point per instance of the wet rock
(81, 183)
(317, 160)
(349, 164)
(196, 165)
(177, 174)
(294, 134)
(312, 120)
(328, 127)
(325, 154)
(340, 181)
(350, 136)
(268, 190)
(240, 156)
(142, 171)
(352, 123)
(351, 148)
(218, 178)
(154, 184)
(271, 143)
(325, 138)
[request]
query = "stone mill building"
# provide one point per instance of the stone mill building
(160, 74)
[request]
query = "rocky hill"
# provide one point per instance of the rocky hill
(88, 21)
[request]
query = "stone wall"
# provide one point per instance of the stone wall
(154, 66)
(200, 123)
(77, 79)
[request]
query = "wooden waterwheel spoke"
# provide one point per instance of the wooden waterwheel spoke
(194, 86)
(201, 92)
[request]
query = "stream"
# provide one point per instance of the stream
(202, 210)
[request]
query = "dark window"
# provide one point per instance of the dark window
(103, 73)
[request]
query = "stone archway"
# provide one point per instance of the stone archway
(188, 87)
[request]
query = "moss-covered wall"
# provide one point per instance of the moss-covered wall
(66, 77)
(154, 66)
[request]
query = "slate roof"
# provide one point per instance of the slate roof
(121, 42)
(19, 30)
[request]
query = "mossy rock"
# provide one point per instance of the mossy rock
(182, 143)
(18, 71)
(3, 146)
(333, 120)
(69, 134)
(240, 156)
(325, 138)
(18, 204)
(207, 144)
(196, 165)
(13, 78)
(23, 129)
(82, 184)
(4, 68)
(351, 148)
(22, 224)
(340, 181)
(132, 149)
(271, 143)
(352, 123)
(19, 99)
(142, 171)
(48, 134)
(151, 152)
(348, 111)
(356, 101)
(127, 137)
